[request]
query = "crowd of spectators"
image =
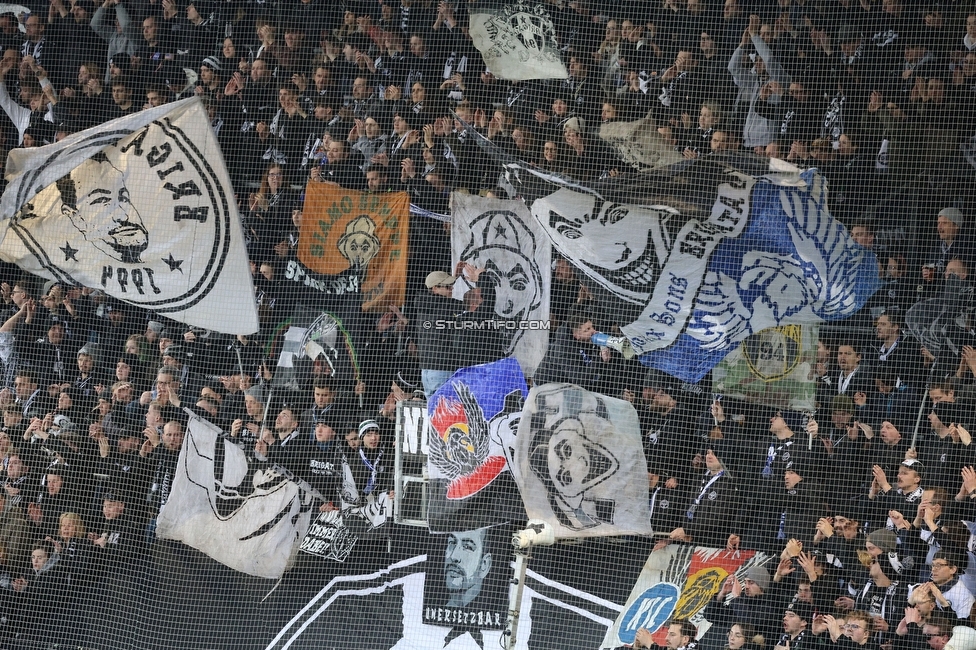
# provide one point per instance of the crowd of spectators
(864, 503)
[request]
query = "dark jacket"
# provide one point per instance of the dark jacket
(571, 361)
(435, 348)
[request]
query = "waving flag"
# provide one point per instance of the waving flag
(580, 464)
(474, 419)
(503, 238)
(693, 258)
(251, 521)
(140, 207)
(517, 40)
(357, 241)
(693, 276)
(774, 367)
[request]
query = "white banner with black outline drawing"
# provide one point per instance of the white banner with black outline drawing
(251, 521)
(581, 465)
(517, 40)
(502, 237)
(140, 207)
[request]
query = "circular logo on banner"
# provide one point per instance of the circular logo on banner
(650, 611)
(144, 218)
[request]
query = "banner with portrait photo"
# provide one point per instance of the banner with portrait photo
(467, 581)
(344, 231)
(580, 463)
(474, 419)
(501, 236)
(677, 582)
(775, 368)
(517, 39)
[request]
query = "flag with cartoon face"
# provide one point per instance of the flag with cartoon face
(474, 420)
(692, 258)
(689, 276)
(346, 234)
(501, 237)
(580, 463)
(140, 207)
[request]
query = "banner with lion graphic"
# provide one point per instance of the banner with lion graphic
(362, 234)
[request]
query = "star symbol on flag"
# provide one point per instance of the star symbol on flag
(69, 253)
(500, 231)
(173, 263)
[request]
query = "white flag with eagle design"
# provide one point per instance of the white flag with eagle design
(141, 208)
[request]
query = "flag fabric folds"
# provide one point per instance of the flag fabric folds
(502, 237)
(517, 40)
(474, 419)
(580, 464)
(140, 207)
(345, 232)
(775, 368)
(708, 255)
(249, 520)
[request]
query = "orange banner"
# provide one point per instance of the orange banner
(346, 231)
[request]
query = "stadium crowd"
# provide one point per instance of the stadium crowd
(864, 503)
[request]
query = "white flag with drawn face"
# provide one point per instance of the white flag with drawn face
(502, 237)
(140, 207)
(517, 39)
(252, 521)
(581, 465)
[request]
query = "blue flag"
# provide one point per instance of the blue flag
(694, 257)
(709, 256)
(474, 419)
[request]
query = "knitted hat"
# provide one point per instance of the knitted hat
(367, 425)
(258, 393)
(794, 420)
(212, 63)
(884, 539)
(760, 576)
(803, 610)
(953, 215)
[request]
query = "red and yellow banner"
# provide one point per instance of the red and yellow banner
(344, 231)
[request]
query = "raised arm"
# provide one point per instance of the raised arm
(773, 66)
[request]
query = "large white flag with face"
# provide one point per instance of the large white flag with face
(580, 463)
(251, 520)
(502, 237)
(140, 207)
